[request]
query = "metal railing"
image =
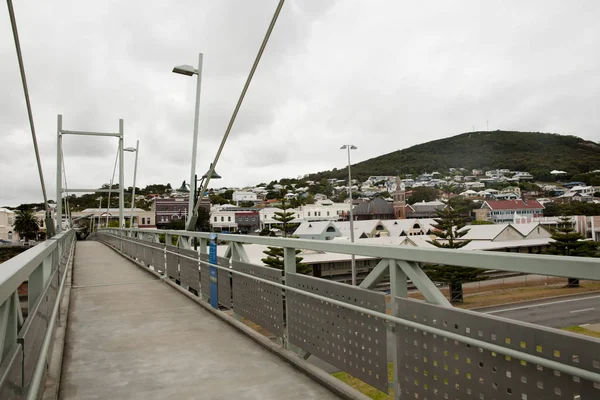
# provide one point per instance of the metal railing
(25, 343)
(437, 351)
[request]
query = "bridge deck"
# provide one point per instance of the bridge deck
(131, 336)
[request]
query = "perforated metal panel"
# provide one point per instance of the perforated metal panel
(11, 374)
(204, 276)
(31, 336)
(145, 253)
(133, 249)
(352, 341)
(158, 257)
(436, 368)
(172, 262)
(261, 303)
(188, 270)
(224, 282)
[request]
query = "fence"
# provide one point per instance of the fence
(25, 343)
(437, 351)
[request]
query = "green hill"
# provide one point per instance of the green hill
(537, 153)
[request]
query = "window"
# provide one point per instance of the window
(215, 219)
(331, 229)
(228, 219)
(9, 235)
(328, 213)
(148, 221)
(222, 219)
(143, 221)
(309, 213)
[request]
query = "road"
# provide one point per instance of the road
(558, 313)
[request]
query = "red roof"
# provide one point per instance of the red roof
(513, 204)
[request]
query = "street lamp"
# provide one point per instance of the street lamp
(188, 70)
(351, 147)
(99, 211)
(131, 149)
(198, 195)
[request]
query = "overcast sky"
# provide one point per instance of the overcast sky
(383, 75)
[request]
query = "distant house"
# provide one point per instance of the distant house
(317, 230)
(424, 209)
(499, 211)
(170, 209)
(7, 220)
(376, 208)
(244, 197)
(247, 221)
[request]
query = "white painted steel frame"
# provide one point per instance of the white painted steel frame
(400, 290)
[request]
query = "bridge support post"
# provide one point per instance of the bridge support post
(399, 288)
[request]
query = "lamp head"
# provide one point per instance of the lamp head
(131, 149)
(185, 70)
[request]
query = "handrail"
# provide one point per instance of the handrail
(38, 374)
(578, 267)
(17, 270)
(544, 362)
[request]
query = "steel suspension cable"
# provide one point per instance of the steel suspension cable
(236, 110)
(13, 22)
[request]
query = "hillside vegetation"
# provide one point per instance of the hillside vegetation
(537, 153)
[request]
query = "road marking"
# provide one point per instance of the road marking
(542, 304)
(584, 310)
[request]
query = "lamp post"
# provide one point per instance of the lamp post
(351, 147)
(100, 211)
(136, 150)
(188, 70)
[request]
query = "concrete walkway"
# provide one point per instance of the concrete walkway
(130, 336)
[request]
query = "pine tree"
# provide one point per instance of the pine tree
(274, 257)
(568, 242)
(448, 229)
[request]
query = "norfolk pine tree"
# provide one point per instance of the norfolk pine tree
(449, 221)
(274, 257)
(568, 242)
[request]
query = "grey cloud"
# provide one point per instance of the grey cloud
(382, 75)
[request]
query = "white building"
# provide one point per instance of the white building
(244, 196)
(7, 221)
(223, 219)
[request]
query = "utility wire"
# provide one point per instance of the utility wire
(235, 111)
(13, 22)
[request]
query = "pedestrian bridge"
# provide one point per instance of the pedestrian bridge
(126, 316)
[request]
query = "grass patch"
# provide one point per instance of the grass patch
(365, 388)
(582, 331)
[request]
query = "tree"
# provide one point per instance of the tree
(26, 225)
(274, 257)
(284, 216)
(568, 242)
(448, 228)
(422, 193)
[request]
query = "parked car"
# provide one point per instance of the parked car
(4, 242)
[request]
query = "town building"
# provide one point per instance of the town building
(244, 197)
(502, 211)
(169, 209)
(424, 209)
(376, 208)
(248, 221)
(7, 221)
(317, 230)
